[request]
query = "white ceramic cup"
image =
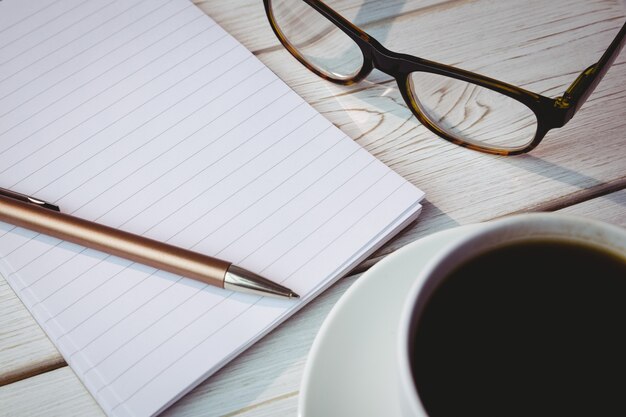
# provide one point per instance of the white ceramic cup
(488, 236)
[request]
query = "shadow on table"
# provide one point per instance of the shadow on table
(559, 173)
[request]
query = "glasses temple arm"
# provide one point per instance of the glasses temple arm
(583, 86)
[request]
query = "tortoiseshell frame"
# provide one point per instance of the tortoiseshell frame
(551, 113)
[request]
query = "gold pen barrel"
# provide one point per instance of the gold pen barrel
(115, 242)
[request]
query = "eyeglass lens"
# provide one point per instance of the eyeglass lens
(317, 40)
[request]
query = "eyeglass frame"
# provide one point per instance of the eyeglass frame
(551, 113)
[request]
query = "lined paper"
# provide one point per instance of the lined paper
(147, 116)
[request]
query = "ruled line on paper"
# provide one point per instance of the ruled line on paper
(48, 37)
(67, 76)
(136, 334)
(29, 16)
(209, 165)
(33, 29)
(112, 104)
(123, 47)
(222, 326)
(128, 74)
(210, 81)
(292, 198)
(222, 94)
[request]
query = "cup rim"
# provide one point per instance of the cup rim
(491, 234)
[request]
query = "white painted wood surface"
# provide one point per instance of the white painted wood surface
(539, 45)
(610, 208)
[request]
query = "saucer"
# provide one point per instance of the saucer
(350, 368)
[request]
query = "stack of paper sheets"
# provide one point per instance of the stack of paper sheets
(147, 116)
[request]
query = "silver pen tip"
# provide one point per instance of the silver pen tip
(242, 280)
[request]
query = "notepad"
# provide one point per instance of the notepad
(145, 115)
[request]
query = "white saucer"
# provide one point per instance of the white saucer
(350, 369)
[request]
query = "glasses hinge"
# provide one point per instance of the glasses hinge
(562, 102)
(564, 108)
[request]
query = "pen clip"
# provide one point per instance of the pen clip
(28, 199)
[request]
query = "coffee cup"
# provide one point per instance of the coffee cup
(521, 316)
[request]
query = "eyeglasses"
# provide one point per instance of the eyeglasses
(462, 107)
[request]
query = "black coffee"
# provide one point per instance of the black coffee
(530, 329)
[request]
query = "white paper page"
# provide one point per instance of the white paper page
(146, 116)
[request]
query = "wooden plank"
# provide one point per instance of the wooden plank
(610, 208)
(55, 393)
(25, 350)
(540, 45)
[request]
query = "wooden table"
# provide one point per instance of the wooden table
(579, 169)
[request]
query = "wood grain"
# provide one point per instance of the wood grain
(610, 208)
(541, 46)
(25, 350)
(56, 393)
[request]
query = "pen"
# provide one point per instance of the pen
(46, 218)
